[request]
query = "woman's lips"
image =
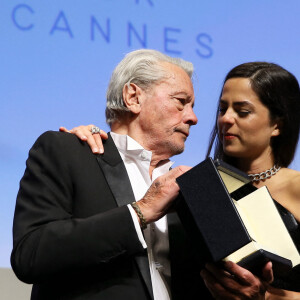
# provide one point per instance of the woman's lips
(229, 136)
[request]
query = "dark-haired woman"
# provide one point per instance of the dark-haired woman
(257, 130)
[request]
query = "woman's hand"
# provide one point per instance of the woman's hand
(236, 283)
(94, 139)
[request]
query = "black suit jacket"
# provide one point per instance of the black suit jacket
(74, 237)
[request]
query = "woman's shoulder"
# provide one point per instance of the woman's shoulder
(285, 189)
(289, 181)
(291, 178)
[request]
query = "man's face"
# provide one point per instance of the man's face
(167, 113)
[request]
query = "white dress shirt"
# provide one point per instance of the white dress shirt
(137, 162)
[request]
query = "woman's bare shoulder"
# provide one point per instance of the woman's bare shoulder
(292, 177)
(288, 191)
(288, 182)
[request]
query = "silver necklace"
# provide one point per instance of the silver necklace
(264, 175)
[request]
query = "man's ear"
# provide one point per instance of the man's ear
(131, 94)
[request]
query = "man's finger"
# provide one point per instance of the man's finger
(178, 171)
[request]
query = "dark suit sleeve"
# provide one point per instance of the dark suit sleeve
(65, 217)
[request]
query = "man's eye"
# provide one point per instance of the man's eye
(181, 100)
(180, 103)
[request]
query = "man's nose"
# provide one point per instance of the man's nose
(190, 117)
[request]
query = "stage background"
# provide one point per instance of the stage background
(57, 57)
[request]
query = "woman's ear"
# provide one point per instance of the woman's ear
(131, 94)
(277, 128)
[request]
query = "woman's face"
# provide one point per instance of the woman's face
(244, 125)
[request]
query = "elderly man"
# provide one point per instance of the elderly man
(94, 226)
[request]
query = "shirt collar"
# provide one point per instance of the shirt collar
(125, 143)
(128, 145)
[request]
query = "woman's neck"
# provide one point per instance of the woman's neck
(257, 165)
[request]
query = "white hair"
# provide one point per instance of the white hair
(142, 67)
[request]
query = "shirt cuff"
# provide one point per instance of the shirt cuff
(137, 226)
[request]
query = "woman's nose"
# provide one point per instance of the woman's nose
(227, 116)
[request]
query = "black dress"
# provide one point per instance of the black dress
(291, 281)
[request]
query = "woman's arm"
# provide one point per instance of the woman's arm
(279, 294)
(286, 192)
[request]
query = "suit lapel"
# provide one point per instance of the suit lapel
(117, 178)
(115, 173)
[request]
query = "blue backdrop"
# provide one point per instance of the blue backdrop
(57, 57)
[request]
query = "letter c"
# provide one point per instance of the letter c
(14, 16)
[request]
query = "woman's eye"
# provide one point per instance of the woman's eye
(243, 113)
(222, 110)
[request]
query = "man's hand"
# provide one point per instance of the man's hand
(161, 194)
(84, 133)
(236, 283)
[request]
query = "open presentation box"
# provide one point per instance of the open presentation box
(228, 219)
